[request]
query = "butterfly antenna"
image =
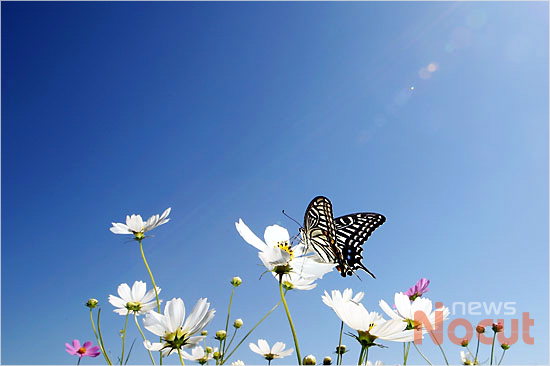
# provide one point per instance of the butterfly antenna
(284, 213)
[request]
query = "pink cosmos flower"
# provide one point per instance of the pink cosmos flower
(420, 288)
(87, 349)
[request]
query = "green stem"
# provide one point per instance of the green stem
(292, 329)
(406, 349)
(477, 349)
(361, 354)
(231, 340)
(143, 336)
(421, 354)
(222, 349)
(101, 337)
(181, 358)
(221, 354)
(366, 356)
(249, 333)
(501, 357)
(440, 348)
(78, 362)
(339, 356)
(97, 337)
(493, 347)
(124, 337)
(154, 285)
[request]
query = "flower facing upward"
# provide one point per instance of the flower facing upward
(87, 349)
(467, 358)
(279, 257)
(198, 354)
(419, 289)
(505, 346)
(277, 351)
(370, 325)
(406, 309)
(136, 226)
(176, 331)
(135, 300)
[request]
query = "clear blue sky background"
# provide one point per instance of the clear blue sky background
(228, 110)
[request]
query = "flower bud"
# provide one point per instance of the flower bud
(340, 350)
(204, 333)
(309, 360)
(236, 281)
(480, 329)
(208, 349)
(465, 342)
(216, 355)
(498, 327)
(505, 346)
(238, 323)
(220, 335)
(92, 303)
(327, 361)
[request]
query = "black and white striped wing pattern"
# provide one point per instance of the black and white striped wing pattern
(319, 231)
(352, 231)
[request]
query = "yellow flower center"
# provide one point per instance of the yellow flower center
(81, 350)
(139, 235)
(285, 246)
(133, 306)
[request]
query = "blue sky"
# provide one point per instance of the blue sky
(229, 110)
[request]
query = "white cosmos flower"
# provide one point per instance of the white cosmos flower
(293, 281)
(136, 226)
(278, 256)
(277, 351)
(135, 300)
(198, 354)
(467, 358)
(377, 363)
(237, 363)
(337, 297)
(405, 310)
(174, 331)
(370, 325)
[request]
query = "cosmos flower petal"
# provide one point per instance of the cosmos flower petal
(249, 236)
(388, 310)
(275, 234)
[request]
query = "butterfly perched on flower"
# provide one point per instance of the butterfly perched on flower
(338, 240)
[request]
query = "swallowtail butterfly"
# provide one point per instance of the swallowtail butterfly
(338, 240)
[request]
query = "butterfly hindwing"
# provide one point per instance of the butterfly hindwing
(351, 233)
(319, 230)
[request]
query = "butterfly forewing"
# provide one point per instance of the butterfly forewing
(320, 231)
(351, 232)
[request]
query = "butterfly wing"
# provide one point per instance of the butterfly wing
(352, 231)
(319, 232)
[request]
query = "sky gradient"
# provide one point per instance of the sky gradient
(434, 114)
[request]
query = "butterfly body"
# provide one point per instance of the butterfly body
(338, 240)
